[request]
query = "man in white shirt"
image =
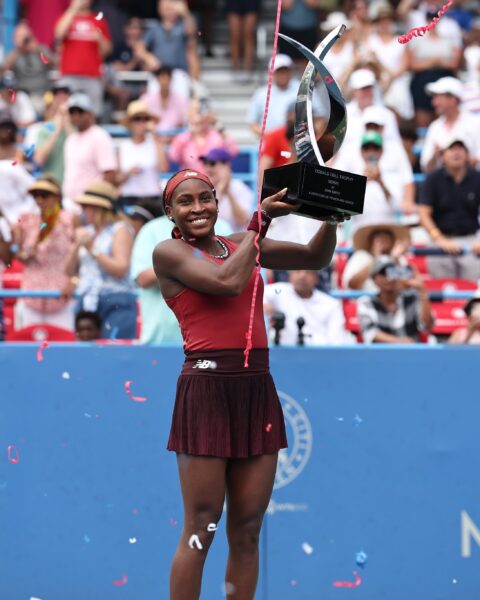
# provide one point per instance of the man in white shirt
(447, 94)
(235, 198)
(323, 318)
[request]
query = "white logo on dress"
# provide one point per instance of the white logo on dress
(205, 364)
(292, 460)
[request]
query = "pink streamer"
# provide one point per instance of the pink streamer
(421, 31)
(42, 347)
(43, 58)
(13, 95)
(128, 385)
(349, 584)
(119, 582)
(13, 455)
(248, 346)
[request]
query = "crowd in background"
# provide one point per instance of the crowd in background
(80, 211)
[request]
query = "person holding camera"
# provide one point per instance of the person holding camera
(400, 312)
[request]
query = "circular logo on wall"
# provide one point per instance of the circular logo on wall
(292, 460)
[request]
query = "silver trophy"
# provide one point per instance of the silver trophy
(323, 192)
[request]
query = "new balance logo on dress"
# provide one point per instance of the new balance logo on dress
(205, 364)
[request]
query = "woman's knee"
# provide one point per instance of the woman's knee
(200, 528)
(244, 535)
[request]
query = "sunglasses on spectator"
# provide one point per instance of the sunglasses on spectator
(212, 163)
(42, 195)
(141, 119)
(76, 111)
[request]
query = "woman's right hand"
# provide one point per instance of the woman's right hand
(275, 206)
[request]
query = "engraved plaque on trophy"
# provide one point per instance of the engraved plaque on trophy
(322, 191)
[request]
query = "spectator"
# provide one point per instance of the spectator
(51, 136)
(140, 158)
(409, 136)
(42, 15)
(324, 322)
(171, 109)
(242, 16)
(341, 55)
(172, 41)
(392, 56)
(84, 44)
(471, 333)
(201, 137)
(299, 20)
(399, 312)
(284, 92)
(235, 198)
(449, 209)
(393, 163)
(204, 11)
(17, 102)
(124, 57)
(279, 147)
(142, 213)
(471, 54)
(101, 259)
(369, 243)
(44, 238)
(30, 72)
(88, 326)
(14, 197)
(441, 57)
(446, 97)
(383, 195)
(89, 152)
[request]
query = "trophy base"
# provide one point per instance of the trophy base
(323, 192)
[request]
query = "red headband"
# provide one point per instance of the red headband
(180, 177)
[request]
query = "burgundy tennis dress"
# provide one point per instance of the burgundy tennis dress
(222, 408)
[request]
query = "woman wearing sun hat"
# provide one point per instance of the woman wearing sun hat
(141, 157)
(100, 257)
(41, 240)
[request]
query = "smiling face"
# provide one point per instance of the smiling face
(193, 208)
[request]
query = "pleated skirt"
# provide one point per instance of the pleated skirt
(225, 410)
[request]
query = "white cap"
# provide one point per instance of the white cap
(445, 85)
(80, 100)
(362, 78)
(453, 139)
(282, 61)
(375, 114)
(333, 20)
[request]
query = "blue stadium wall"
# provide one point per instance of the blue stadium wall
(384, 458)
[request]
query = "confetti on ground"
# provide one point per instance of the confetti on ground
(42, 347)
(212, 527)
(43, 58)
(421, 31)
(132, 540)
(128, 385)
(195, 541)
(172, 521)
(65, 375)
(268, 427)
(349, 584)
(99, 16)
(121, 581)
(361, 558)
(12, 455)
(286, 154)
(307, 548)
(13, 95)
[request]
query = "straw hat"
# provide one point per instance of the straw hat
(99, 193)
(135, 108)
(44, 184)
(361, 237)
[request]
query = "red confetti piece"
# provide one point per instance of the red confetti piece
(12, 454)
(268, 427)
(135, 511)
(421, 31)
(328, 80)
(293, 582)
(349, 584)
(43, 345)
(154, 361)
(119, 582)
(14, 163)
(128, 385)
(172, 521)
(13, 95)
(43, 58)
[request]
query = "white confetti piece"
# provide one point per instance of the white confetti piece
(65, 375)
(286, 154)
(194, 541)
(99, 16)
(132, 540)
(307, 548)
(212, 527)
(454, 580)
(339, 418)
